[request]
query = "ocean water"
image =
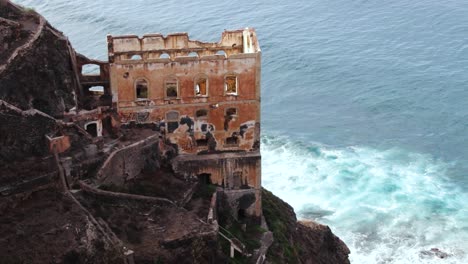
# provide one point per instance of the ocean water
(364, 108)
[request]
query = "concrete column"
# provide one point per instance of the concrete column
(129, 256)
(232, 251)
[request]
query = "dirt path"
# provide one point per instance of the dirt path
(31, 24)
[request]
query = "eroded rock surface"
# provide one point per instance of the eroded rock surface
(300, 242)
(35, 66)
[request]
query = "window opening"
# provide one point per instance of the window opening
(172, 121)
(136, 57)
(204, 178)
(201, 87)
(92, 129)
(141, 86)
(201, 114)
(193, 54)
(164, 56)
(230, 85)
(232, 141)
(91, 69)
(202, 142)
(237, 179)
(96, 90)
(171, 88)
(231, 113)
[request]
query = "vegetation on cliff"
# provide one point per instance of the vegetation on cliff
(299, 242)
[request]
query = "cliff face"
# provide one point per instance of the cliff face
(299, 242)
(35, 63)
(37, 84)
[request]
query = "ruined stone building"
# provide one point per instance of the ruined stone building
(204, 97)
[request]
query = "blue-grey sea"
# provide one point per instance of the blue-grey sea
(364, 107)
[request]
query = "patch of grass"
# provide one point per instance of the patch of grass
(280, 218)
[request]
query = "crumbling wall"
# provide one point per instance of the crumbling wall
(205, 97)
(23, 133)
(241, 203)
(127, 163)
(231, 170)
(238, 173)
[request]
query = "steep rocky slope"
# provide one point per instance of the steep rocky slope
(37, 84)
(300, 242)
(35, 62)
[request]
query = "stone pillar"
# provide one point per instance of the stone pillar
(128, 255)
(232, 251)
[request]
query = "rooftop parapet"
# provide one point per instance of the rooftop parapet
(156, 46)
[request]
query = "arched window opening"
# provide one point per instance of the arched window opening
(201, 86)
(141, 87)
(91, 69)
(136, 57)
(193, 54)
(205, 178)
(171, 87)
(221, 52)
(172, 121)
(164, 56)
(96, 90)
(230, 85)
(201, 114)
(91, 128)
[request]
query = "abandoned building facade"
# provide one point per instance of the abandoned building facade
(204, 98)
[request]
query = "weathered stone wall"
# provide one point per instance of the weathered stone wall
(246, 201)
(211, 118)
(127, 163)
(230, 170)
(23, 133)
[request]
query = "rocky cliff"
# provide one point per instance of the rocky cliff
(299, 242)
(35, 62)
(37, 85)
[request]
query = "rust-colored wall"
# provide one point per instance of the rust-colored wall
(59, 144)
(245, 126)
(132, 58)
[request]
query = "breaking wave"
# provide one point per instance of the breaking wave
(388, 206)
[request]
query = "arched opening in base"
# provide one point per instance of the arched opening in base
(204, 178)
(92, 129)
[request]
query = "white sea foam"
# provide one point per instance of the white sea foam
(388, 206)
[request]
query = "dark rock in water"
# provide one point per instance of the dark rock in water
(434, 252)
(311, 211)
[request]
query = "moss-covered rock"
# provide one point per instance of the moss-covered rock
(299, 242)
